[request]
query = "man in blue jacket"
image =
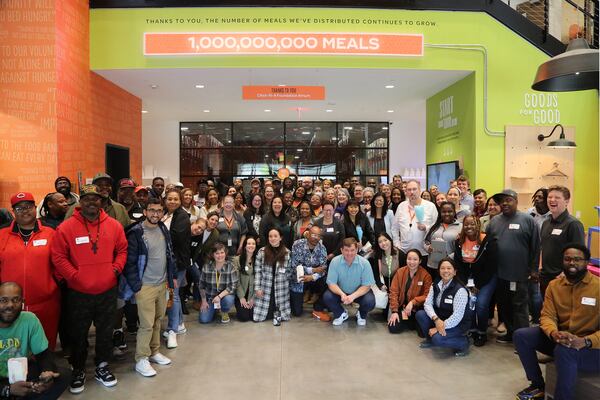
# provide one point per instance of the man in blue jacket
(149, 269)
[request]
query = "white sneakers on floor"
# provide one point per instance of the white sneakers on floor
(160, 359)
(171, 340)
(360, 321)
(144, 368)
(340, 320)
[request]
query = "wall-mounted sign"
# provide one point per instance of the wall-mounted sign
(446, 118)
(283, 92)
(231, 43)
(542, 107)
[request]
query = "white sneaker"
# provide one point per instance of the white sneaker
(181, 329)
(340, 320)
(360, 321)
(171, 340)
(144, 368)
(160, 359)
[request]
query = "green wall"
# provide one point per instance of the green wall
(451, 125)
(116, 42)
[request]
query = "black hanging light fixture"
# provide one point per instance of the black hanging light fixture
(575, 69)
(561, 143)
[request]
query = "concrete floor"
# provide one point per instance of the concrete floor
(308, 359)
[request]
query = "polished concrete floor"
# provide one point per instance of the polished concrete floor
(308, 359)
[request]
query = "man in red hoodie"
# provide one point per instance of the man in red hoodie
(90, 251)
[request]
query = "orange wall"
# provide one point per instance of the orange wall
(55, 114)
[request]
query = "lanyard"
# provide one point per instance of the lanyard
(218, 278)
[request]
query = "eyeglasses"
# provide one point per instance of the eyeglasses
(23, 208)
(573, 259)
(154, 211)
(315, 236)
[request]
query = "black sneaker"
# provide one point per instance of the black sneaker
(119, 339)
(504, 339)
(104, 376)
(77, 381)
(479, 339)
(532, 392)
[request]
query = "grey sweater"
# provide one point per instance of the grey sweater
(518, 242)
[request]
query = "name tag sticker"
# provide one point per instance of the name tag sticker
(229, 242)
(556, 231)
(513, 286)
(82, 239)
(448, 301)
(221, 219)
(40, 242)
(514, 226)
(329, 229)
(281, 270)
(246, 268)
(420, 283)
(588, 301)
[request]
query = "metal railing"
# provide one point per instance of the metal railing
(563, 19)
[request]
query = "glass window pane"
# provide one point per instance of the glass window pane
(258, 162)
(362, 161)
(363, 134)
(204, 162)
(205, 134)
(311, 161)
(258, 134)
(310, 134)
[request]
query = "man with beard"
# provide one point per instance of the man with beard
(518, 239)
(62, 184)
(115, 210)
(569, 328)
(54, 209)
(89, 252)
(125, 196)
(21, 335)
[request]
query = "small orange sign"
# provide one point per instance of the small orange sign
(283, 92)
(220, 43)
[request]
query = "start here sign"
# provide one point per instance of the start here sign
(256, 43)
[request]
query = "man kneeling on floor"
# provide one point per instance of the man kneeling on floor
(22, 335)
(349, 280)
(150, 266)
(569, 328)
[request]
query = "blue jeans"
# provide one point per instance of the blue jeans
(195, 275)
(535, 301)
(454, 339)
(206, 317)
(482, 306)
(334, 303)
(174, 313)
(568, 361)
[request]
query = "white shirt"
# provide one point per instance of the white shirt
(405, 233)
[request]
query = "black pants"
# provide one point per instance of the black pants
(243, 314)
(83, 310)
(59, 385)
(297, 303)
(318, 287)
(403, 325)
(513, 305)
(63, 324)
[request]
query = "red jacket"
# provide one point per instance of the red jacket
(74, 259)
(29, 265)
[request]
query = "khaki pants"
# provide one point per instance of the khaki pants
(151, 304)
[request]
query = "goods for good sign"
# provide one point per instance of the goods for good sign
(255, 43)
(283, 92)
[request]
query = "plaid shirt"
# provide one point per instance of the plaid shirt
(228, 279)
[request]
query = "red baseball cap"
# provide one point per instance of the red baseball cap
(126, 183)
(21, 196)
(140, 188)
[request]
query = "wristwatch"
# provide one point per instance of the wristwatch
(588, 343)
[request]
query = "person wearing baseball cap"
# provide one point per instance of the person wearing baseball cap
(125, 196)
(89, 251)
(62, 184)
(200, 196)
(518, 240)
(103, 183)
(25, 259)
(141, 194)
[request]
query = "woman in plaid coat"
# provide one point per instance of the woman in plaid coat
(272, 274)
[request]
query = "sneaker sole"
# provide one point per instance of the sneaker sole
(107, 384)
(76, 390)
(159, 363)
(144, 374)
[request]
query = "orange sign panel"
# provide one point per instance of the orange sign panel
(283, 92)
(227, 43)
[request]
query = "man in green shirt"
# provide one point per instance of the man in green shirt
(22, 335)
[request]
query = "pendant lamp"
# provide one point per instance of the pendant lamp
(575, 69)
(561, 143)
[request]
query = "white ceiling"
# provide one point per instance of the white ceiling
(352, 94)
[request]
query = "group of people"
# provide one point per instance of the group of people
(436, 263)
